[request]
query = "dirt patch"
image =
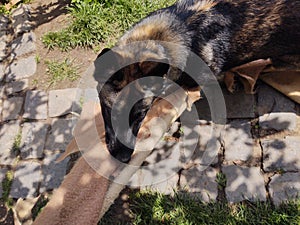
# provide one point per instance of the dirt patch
(49, 16)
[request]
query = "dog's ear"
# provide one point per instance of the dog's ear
(105, 50)
(154, 68)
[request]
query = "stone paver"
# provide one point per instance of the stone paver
(238, 141)
(21, 68)
(166, 187)
(285, 187)
(24, 44)
(33, 140)
(244, 183)
(60, 134)
(2, 68)
(8, 133)
(281, 154)
(200, 181)
(270, 100)
(12, 108)
(3, 45)
(239, 105)
(91, 94)
(279, 121)
(17, 86)
(36, 103)
(3, 172)
(53, 172)
(21, 19)
(62, 102)
(26, 180)
(160, 168)
(3, 37)
(204, 141)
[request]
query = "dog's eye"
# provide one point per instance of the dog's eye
(117, 78)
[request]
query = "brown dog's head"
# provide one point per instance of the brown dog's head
(125, 98)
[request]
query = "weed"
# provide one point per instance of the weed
(35, 82)
(37, 58)
(61, 71)
(6, 185)
(17, 143)
(221, 180)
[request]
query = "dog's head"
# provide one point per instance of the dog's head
(125, 98)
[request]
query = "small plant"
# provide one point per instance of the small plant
(37, 58)
(61, 71)
(17, 143)
(221, 180)
(6, 185)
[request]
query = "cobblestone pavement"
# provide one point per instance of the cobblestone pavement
(257, 151)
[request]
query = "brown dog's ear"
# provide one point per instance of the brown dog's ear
(153, 68)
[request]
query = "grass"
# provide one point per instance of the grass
(221, 180)
(61, 71)
(17, 143)
(6, 185)
(102, 21)
(153, 208)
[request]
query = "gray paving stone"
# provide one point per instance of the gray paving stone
(33, 140)
(283, 154)
(21, 19)
(238, 141)
(166, 187)
(60, 134)
(279, 121)
(239, 105)
(62, 102)
(270, 100)
(284, 187)
(53, 172)
(3, 45)
(12, 108)
(17, 86)
(2, 69)
(3, 172)
(8, 133)
(3, 22)
(21, 68)
(244, 183)
(200, 182)
(160, 168)
(206, 138)
(91, 94)
(36, 103)
(26, 180)
(24, 44)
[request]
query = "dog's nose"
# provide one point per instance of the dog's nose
(122, 152)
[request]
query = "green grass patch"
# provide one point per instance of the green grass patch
(95, 22)
(62, 71)
(6, 185)
(155, 208)
(17, 143)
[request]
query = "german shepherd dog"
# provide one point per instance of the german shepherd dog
(223, 33)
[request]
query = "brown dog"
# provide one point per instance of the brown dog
(225, 34)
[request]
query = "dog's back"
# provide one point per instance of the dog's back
(226, 33)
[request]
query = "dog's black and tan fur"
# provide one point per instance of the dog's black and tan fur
(224, 33)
